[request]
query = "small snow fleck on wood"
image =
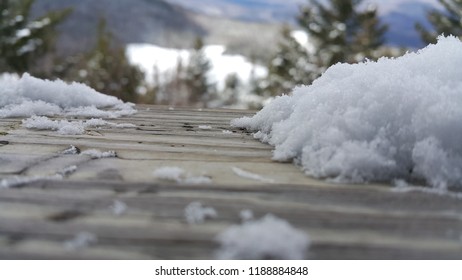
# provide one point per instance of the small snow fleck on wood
(118, 207)
(97, 154)
(196, 213)
(249, 175)
(246, 215)
(205, 127)
(80, 241)
(227, 132)
(179, 175)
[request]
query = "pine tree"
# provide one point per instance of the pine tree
(291, 65)
(448, 22)
(200, 90)
(106, 68)
(341, 31)
(23, 41)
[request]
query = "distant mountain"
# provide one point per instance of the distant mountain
(130, 21)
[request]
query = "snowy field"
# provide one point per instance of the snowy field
(394, 120)
(149, 57)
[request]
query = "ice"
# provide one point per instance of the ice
(179, 175)
(267, 238)
(249, 175)
(27, 96)
(196, 213)
(374, 121)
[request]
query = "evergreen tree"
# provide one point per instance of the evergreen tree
(291, 65)
(23, 41)
(106, 68)
(341, 31)
(448, 22)
(199, 88)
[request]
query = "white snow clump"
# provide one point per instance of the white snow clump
(196, 213)
(374, 121)
(267, 238)
(28, 96)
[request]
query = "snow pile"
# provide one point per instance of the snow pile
(267, 238)
(374, 121)
(28, 96)
(196, 213)
(179, 175)
(65, 127)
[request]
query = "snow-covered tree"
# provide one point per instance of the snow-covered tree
(24, 41)
(448, 22)
(342, 30)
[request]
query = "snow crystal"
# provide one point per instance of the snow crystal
(97, 154)
(374, 121)
(248, 175)
(267, 238)
(80, 241)
(28, 96)
(195, 213)
(179, 175)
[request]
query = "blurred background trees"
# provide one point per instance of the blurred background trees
(447, 21)
(325, 32)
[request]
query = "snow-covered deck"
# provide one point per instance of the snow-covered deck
(71, 205)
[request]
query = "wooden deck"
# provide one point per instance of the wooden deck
(39, 214)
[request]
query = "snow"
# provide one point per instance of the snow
(196, 213)
(149, 57)
(179, 175)
(246, 215)
(205, 127)
(249, 175)
(80, 241)
(97, 154)
(374, 121)
(65, 127)
(118, 207)
(27, 96)
(267, 238)
(226, 131)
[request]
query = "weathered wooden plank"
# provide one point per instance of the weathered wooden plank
(371, 221)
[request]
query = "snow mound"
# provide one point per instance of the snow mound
(374, 121)
(267, 238)
(28, 96)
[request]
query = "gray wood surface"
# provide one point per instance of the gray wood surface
(40, 213)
